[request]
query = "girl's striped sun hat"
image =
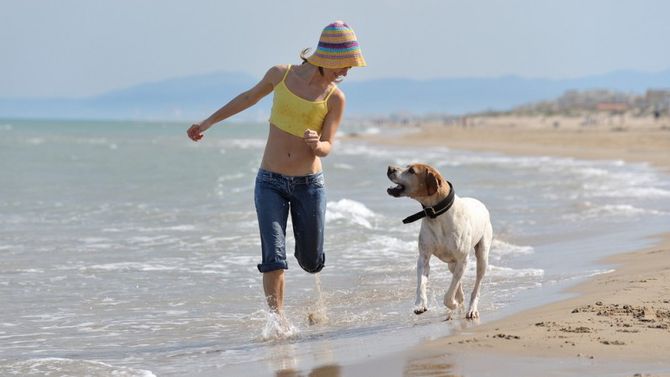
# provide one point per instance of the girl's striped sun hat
(338, 48)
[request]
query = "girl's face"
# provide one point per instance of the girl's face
(335, 74)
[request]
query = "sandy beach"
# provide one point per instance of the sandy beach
(633, 140)
(616, 323)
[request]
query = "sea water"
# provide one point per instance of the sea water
(129, 250)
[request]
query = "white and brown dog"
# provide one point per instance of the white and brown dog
(450, 229)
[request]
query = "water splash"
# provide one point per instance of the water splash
(278, 327)
(317, 315)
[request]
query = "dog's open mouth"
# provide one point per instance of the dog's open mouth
(396, 190)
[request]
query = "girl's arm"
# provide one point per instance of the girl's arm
(322, 144)
(240, 103)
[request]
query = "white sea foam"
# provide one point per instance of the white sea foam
(370, 131)
(371, 255)
(35, 141)
(364, 150)
(242, 260)
(342, 166)
(389, 246)
(178, 228)
(507, 272)
(632, 192)
(501, 248)
(90, 240)
(147, 239)
(209, 240)
(562, 278)
(230, 177)
(87, 140)
(278, 327)
(592, 172)
(244, 143)
(599, 272)
(31, 270)
(69, 367)
(611, 211)
(131, 266)
(351, 211)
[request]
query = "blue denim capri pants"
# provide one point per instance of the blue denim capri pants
(305, 197)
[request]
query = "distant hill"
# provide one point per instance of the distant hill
(195, 97)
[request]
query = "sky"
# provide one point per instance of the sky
(81, 48)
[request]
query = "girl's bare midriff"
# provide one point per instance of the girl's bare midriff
(289, 155)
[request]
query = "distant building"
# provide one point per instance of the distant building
(657, 100)
(612, 107)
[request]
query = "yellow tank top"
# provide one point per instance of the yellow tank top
(294, 114)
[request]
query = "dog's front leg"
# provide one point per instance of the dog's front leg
(422, 271)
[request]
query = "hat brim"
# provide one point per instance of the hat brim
(339, 61)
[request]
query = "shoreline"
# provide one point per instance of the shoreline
(618, 317)
(621, 318)
(643, 140)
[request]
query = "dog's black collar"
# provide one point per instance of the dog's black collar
(435, 211)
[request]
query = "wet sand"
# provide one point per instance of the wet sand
(617, 324)
(633, 140)
(622, 317)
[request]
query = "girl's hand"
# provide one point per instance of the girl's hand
(311, 138)
(195, 132)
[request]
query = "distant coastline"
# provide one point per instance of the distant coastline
(188, 98)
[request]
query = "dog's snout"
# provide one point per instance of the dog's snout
(391, 170)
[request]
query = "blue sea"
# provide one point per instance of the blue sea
(129, 250)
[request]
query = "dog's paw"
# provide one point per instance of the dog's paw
(420, 310)
(472, 314)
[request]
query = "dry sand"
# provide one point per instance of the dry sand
(618, 323)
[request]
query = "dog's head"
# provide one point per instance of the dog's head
(417, 181)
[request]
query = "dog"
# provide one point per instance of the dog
(451, 228)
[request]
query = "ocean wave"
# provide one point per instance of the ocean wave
(30, 270)
(562, 278)
(242, 144)
(131, 266)
(611, 211)
(380, 248)
(242, 260)
(90, 240)
(364, 150)
(364, 130)
(507, 272)
(349, 210)
(35, 141)
(230, 177)
(343, 166)
(179, 228)
(69, 367)
(630, 192)
(501, 248)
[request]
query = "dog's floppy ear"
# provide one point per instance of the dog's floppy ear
(432, 183)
